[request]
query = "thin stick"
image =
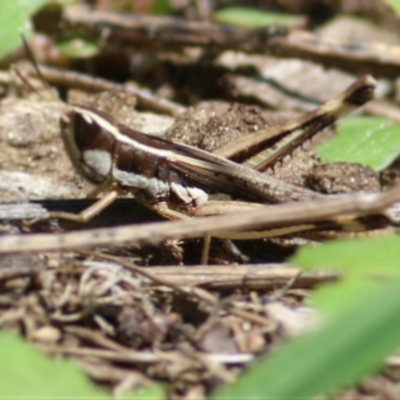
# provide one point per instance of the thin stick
(141, 357)
(86, 82)
(197, 292)
(168, 33)
(247, 276)
(360, 204)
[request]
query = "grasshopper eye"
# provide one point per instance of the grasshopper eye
(88, 143)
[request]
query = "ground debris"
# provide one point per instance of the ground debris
(112, 319)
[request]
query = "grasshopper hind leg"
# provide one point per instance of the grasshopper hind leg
(84, 216)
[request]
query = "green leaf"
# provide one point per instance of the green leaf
(160, 7)
(252, 18)
(335, 299)
(346, 349)
(25, 373)
(78, 48)
(365, 264)
(372, 141)
(14, 18)
(394, 4)
(358, 258)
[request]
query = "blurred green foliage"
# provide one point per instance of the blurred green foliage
(372, 141)
(15, 19)
(360, 325)
(252, 18)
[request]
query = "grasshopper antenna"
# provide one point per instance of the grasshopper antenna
(23, 79)
(32, 59)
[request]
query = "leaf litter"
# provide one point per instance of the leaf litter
(138, 315)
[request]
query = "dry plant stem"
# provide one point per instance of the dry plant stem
(151, 32)
(85, 82)
(129, 356)
(96, 338)
(357, 57)
(16, 272)
(274, 216)
(171, 33)
(219, 371)
(289, 285)
(244, 276)
(205, 249)
(106, 372)
(248, 316)
(383, 108)
(139, 357)
(197, 292)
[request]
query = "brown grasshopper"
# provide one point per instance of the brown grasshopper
(172, 177)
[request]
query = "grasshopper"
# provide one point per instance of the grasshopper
(174, 178)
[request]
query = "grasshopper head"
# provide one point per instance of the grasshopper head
(88, 142)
